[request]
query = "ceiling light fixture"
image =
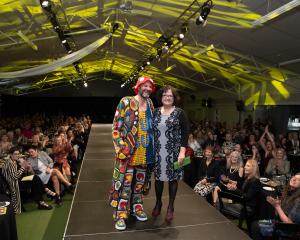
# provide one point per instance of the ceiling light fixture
(277, 12)
(205, 10)
(115, 27)
(45, 3)
(181, 36)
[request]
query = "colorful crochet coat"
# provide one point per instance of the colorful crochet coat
(124, 134)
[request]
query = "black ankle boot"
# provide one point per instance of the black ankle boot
(58, 199)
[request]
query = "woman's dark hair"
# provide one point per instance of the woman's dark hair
(289, 196)
(32, 147)
(165, 89)
(13, 149)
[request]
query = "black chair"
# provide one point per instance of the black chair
(235, 209)
(289, 231)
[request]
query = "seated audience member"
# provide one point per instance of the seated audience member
(287, 208)
(73, 155)
(232, 177)
(251, 191)
(38, 132)
(227, 153)
(5, 145)
(11, 173)
(35, 141)
(228, 143)
(282, 143)
(295, 141)
(79, 138)
(26, 131)
(36, 185)
(208, 173)
(211, 141)
(193, 143)
(18, 137)
(278, 165)
(42, 166)
(60, 151)
(10, 137)
(249, 143)
(238, 148)
(268, 145)
(199, 137)
(255, 154)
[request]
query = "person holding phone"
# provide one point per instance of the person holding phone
(170, 142)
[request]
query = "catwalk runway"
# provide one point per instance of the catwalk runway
(91, 217)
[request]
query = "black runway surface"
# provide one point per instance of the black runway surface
(90, 216)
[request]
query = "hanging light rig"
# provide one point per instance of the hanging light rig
(48, 7)
(173, 36)
(205, 10)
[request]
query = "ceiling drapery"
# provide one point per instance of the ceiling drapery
(62, 62)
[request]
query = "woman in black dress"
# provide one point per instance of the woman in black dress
(233, 175)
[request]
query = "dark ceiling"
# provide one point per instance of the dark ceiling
(244, 60)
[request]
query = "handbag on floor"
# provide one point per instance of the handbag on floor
(204, 189)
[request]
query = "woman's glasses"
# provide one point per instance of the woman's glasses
(167, 96)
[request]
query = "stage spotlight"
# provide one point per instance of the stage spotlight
(180, 36)
(45, 3)
(184, 29)
(115, 27)
(205, 10)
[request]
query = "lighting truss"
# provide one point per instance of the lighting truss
(170, 39)
(63, 34)
(277, 12)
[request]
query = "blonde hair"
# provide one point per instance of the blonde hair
(255, 172)
(283, 152)
(239, 162)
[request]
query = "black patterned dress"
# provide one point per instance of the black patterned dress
(170, 133)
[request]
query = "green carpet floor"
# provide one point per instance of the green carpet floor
(35, 224)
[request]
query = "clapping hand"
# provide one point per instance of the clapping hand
(267, 128)
(231, 186)
(275, 202)
(24, 164)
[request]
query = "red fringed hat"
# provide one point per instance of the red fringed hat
(142, 80)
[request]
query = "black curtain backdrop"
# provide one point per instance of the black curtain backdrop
(100, 109)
